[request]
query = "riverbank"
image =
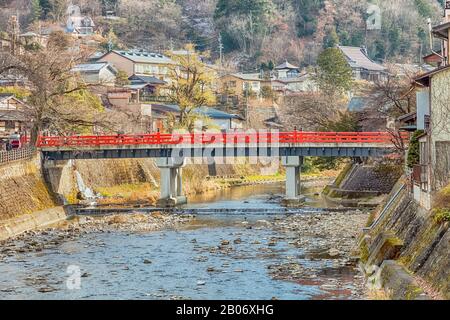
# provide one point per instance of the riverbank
(327, 237)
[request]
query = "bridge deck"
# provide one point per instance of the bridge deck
(218, 144)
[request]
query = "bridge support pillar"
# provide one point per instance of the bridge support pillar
(171, 183)
(293, 182)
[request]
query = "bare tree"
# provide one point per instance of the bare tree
(59, 100)
(395, 94)
(310, 111)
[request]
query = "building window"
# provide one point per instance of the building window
(140, 68)
(232, 84)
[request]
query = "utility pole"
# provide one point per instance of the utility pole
(13, 30)
(221, 50)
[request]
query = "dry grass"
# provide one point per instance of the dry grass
(130, 218)
(126, 193)
(377, 295)
(442, 205)
(442, 200)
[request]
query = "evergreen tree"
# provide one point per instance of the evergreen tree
(334, 74)
(331, 40)
(46, 7)
(36, 10)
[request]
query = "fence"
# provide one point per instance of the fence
(17, 154)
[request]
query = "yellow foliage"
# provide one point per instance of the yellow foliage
(18, 92)
(191, 85)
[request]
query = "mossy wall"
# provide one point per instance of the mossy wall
(22, 189)
(426, 241)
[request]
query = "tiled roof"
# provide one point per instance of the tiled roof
(135, 79)
(216, 114)
(300, 78)
(145, 57)
(12, 115)
(6, 95)
(357, 104)
(248, 76)
(91, 67)
(357, 58)
(286, 65)
(206, 111)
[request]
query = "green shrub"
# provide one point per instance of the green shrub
(442, 215)
(414, 150)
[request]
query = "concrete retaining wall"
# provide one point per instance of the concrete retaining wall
(22, 189)
(423, 246)
(41, 219)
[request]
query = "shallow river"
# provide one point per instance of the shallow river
(177, 264)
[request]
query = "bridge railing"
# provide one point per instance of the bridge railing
(295, 137)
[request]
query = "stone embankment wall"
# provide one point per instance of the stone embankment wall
(407, 250)
(22, 189)
(362, 185)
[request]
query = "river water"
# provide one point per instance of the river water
(195, 262)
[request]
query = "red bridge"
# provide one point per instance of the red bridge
(160, 139)
(171, 150)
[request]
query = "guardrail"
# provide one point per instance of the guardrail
(296, 137)
(17, 154)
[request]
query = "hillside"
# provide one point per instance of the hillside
(252, 31)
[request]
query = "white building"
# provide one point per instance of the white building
(97, 73)
(77, 23)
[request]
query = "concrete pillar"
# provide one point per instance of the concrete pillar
(293, 182)
(171, 182)
(180, 182)
(165, 184)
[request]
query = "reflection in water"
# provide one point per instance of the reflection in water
(215, 257)
(268, 194)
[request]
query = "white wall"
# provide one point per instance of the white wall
(423, 107)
